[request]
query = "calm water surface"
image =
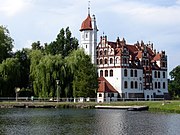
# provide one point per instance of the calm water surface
(86, 122)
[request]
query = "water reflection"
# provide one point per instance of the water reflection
(86, 122)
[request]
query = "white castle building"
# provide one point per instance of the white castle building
(124, 70)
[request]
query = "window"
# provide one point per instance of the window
(136, 85)
(111, 60)
(100, 95)
(125, 72)
(159, 85)
(131, 73)
(125, 84)
(125, 61)
(159, 74)
(101, 73)
(117, 60)
(140, 86)
(86, 46)
(97, 54)
(105, 52)
(106, 61)
(106, 73)
(135, 73)
(111, 72)
(164, 85)
(97, 61)
(164, 75)
(86, 35)
(155, 74)
(155, 85)
(132, 85)
(100, 52)
(101, 62)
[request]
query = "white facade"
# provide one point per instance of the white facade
(134, 71)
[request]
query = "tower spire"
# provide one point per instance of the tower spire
(89, 7)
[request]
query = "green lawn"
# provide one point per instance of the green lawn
(155, 106)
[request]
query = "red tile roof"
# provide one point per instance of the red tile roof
(86, 24)
(157, 57)
(105, 86)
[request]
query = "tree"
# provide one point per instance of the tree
(45, 70)
(174, 85)
(35, 57)
(6, 44)
(85, 81)
(63, 44)
(37, 46)
(24, 60)
(10, 76)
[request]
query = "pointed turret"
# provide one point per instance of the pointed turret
(88, 32)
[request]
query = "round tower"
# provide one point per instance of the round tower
(89, 36)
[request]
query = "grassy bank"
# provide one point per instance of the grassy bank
(154, 106)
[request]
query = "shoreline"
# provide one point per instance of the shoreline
(154, 106)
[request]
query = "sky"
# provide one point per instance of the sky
(155, 21)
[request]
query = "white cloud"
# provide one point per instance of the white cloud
(12, 7)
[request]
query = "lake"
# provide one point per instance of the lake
(86, 122)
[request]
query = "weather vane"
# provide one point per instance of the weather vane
(89, 7)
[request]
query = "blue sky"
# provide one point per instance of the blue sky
(157, 21)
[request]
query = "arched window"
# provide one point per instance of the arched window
(106, 61)
(164, 85)
(105, 52)
(155, 85)
(164, 75)
(97, 61)
(159, 74)
(135, 73)
(159, 85)
(101, 62)
(147, 62)
(131, 73)
(140, 86)
(97, 54)
(111, 60)
(100, 95)
(125, 84)
(111, 72)
(132, 85)
(100, 52)
(101, 73)
(125, 72)
(117, 60)
(155, 74)
(136, 85)
(106, 73)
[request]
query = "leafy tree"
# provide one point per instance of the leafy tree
(174, 85)
(35, 57)
(6, 44)
(37, 46)
(63, 44)
(24, 60)
(10, 76)
(45, 70)
(84, 81)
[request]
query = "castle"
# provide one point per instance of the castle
(124, 70)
